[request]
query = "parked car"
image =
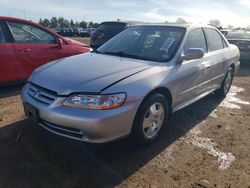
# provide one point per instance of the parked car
(76, 32)
(87, 32)
(66, 32)
(224, 32)
(25, 45)
(106, 31)
(242, 40)
(90, 30)
(131, 84)
(84, 33)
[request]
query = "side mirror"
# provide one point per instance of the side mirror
(60, 43)
(193, 53)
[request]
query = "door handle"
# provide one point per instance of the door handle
(24, 50)
(208, 67)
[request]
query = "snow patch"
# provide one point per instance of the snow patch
(213, 114)
(224, 159)
(231, 101)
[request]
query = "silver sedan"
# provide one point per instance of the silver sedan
(132, 83)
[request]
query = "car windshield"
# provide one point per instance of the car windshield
(153, 43)
(238, 36)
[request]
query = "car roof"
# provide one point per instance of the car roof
(183, 25)
(114, 22)
(14, 19)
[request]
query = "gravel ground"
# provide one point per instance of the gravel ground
(204, 145)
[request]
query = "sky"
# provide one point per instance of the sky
(234, 12)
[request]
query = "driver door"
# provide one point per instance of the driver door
(193, 74)
(33, 46)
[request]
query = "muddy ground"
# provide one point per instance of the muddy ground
(207, 143)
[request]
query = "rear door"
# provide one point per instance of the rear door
(218, 56)
(33, 46)
(9, 68)
(193, 73)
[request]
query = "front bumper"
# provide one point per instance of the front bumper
(95, 126)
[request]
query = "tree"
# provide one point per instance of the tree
(53, 22)
(40, 21)
(230, 27)
(77, 24)
(46, 22)
(72, 24)
(91, 24)
(83, 24)
(180, 20)
(248, 28)
(63, 22)
(215, 23)
(95, 25)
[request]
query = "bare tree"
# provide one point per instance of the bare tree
(215, 23)
(180, 20)
(230, 27)
(248, 28)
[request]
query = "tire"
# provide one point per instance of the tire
(151, 116)
(226, 84)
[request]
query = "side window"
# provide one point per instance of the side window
(196, 39)
(29, 34)
(214, 40)
(2, 38)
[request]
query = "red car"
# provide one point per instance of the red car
(25, 45)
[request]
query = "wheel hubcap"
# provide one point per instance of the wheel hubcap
(228, 81)
(153, 120)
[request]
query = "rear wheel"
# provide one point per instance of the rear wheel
(226, 84)
(150, 118)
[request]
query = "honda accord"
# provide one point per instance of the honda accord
(132, 83)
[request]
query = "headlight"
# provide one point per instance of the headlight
(95, 102)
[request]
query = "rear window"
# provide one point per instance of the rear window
(214, 40)
(109, 27)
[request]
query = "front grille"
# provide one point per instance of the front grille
(41, 94)
(66, 131)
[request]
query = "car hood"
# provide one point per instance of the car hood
(89, 72)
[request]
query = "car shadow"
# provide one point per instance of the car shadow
(32, 157)
(10, 90)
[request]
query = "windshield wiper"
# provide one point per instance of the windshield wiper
(119, 53)
(123, 54)
(96, 51)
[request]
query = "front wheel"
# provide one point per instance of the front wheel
(150, 118)
(226, 84)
